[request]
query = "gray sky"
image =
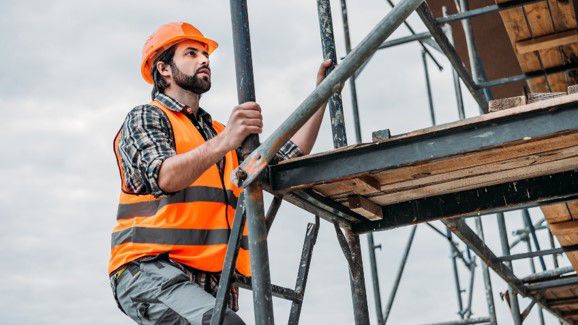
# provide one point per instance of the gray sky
(71, 73)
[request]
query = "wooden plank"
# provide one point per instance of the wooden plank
(518, 29)
(365, 207)
(560, 293)
(547, 41)
(573, 208)
(540, 21)
(564, 229)
(555, 213)
(365, 184)
(505, 103)
(441, 168)
(536, 97)
(466, 173)
(479, 181)
(564, 18)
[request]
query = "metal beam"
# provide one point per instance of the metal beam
(405, 40)
(528, 75)
(549, 274)
(469, 321)
(520, 256)
(229, 262)
(277, 291)
(421, 43)
(503, 197)
(399, 273)
(558, 283)
(469, 237)
(303, 271)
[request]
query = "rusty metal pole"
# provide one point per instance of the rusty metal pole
(261, 279)
(353, 249)
(357, 125)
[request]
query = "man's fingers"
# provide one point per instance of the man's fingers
(249, 106)
(254, 129)
(322, 68)
(253, 122)
(250, 114)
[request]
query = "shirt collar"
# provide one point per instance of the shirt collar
(175, 105)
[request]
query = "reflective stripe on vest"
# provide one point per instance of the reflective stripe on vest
(191, 194)
(192, 225)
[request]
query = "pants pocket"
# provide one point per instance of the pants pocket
(152, 311)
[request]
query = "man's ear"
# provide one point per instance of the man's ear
(164, 69)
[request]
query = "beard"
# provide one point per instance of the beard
(192, 83)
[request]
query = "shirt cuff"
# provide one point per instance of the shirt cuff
(289, 150)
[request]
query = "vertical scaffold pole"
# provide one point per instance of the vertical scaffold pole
(328, 46)
(428, 88)
(353, 249)
(486, 275)
(533, 269)
(476, 66)
(514, 306)
(455, 77)
(371, 247)
(261, 279)
(478, 74)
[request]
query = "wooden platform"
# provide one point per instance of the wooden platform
(526, 142)
(520, 159)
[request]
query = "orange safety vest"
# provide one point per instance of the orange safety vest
(192, 225)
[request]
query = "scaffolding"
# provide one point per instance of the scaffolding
(293, 181)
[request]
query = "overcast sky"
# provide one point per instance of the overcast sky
(70, 73)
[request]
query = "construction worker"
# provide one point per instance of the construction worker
(177, 200)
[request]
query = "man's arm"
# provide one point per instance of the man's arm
(307, 134)
(179, 171)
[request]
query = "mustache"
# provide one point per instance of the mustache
(203, 69)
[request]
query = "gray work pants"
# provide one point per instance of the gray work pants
(158, 292)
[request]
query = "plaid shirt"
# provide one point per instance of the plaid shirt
(146, 140)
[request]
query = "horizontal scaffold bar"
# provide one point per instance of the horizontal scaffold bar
(485, 10)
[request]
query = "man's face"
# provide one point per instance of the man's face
(190, 67)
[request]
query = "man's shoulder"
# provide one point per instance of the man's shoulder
(145, 116)
(146, 112)
(145, 109)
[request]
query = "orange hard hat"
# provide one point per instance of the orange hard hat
(166, 36)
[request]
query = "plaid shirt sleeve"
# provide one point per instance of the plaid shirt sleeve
(146, 141)
(289, 150)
